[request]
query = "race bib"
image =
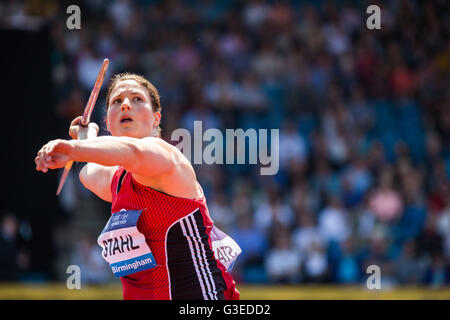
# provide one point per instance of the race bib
(225, 248)
(124, 247)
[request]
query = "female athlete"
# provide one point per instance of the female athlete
(159, 239)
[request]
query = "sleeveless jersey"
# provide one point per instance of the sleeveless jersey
(178, 233)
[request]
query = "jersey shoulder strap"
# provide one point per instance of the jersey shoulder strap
(119, 184)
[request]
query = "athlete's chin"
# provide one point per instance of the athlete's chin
(127, 132)
(131, 132)
(131, 135)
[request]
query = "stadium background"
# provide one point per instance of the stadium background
(364, 119)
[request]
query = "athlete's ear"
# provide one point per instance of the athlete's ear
(157, 121)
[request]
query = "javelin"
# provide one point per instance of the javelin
(86, 115)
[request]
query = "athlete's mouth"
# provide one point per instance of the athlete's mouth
(125, 119)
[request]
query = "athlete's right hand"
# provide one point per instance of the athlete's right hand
(77, 130)
(55, 154)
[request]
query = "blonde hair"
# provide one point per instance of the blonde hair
(154, 95)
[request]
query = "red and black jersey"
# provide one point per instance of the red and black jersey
(178, 232)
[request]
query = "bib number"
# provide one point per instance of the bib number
(124, 247)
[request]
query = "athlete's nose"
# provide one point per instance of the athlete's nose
(126, 105)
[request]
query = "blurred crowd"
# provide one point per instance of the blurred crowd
(364, 119)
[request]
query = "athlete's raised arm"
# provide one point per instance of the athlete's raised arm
(147, 157)
(150, 160)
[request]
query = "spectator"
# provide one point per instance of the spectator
(315, 264)
(94, 270)
(385, 202)
(306, 235)
(348, 268)
(273, 212)
(252, 241)
(429, 241)
(357, 180)
(436, 275)
(379, 254)
(224, 218)
(333, 221)
(408, 268)
(283, 262)
(443, 226)
(293, 144)
(9, 270)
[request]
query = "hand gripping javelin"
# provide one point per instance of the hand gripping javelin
(86, 115)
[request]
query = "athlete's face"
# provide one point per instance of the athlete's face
(130, 111)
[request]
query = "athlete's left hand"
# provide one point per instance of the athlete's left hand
(55, 154)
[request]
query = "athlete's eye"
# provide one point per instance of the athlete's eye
(139, 99)
(118, 100)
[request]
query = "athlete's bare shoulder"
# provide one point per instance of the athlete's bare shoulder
(180, 181)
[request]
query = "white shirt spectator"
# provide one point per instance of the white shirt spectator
(333, 224)
(283, 262)
(120, 13)
(337, 40)
(255, 14)
(305, 238)
(87, 69)
(316, 263)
